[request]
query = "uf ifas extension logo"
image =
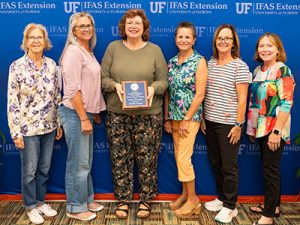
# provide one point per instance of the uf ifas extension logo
(243, 7)
(71, 7)
(157, 7)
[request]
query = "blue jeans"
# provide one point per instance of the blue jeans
(35, 165)
(79, 185)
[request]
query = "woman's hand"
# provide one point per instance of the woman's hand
(97, 118)
(183, 128)
(203, 126)
(19, 142)
(119, 91)
(235, 135)
(150, 95)
(86, 126)
(168, 126)
(252, 138)
(274, 141)
(59, 133)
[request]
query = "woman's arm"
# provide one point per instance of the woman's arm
(160, 83)
(235, 132)
(285, 89)
(86, 126)
(72, 68)
(201, 79)
(108, 83)
(167, 122)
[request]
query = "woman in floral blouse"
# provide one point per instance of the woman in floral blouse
(269, 117)
(187, 80)
(33, 99)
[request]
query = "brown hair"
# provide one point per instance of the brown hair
(276, 41)
(235, 51)
(186, 24)
(133, 13)
(30, 27)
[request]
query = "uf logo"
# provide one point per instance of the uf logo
(114, 31)
(156, 7)
(200, 31)
(70, 7)
(243, 7)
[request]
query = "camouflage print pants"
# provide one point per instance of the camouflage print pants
(134, 138)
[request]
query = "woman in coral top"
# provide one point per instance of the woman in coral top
(269, 117)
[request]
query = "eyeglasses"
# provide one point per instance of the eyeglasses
(33, 38)
(131, 24)
(225, 39)
(82, 27)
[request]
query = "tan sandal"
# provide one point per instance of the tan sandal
(178, 202)
(185, 212)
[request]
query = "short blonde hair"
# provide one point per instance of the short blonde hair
(26, 32)
(276, 41)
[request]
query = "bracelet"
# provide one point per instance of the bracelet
(84, 120)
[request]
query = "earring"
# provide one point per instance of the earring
(233, 48)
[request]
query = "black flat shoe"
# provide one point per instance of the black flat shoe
(260, 209)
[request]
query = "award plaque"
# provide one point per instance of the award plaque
(135, 95)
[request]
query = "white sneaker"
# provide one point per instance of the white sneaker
(35, 216)
(214, 205)
(47, 210)
(226, 215)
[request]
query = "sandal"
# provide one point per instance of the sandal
(178, 202)
(259, 209)
(147, 209)
(118, 208)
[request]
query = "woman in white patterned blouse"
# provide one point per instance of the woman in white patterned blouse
(33, 99)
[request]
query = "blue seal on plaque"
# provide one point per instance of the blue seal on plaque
(135, 94)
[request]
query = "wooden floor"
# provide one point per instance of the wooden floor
(12, 213)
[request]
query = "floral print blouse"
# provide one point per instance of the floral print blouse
(182, 86)
(272, 91)
(33, 97)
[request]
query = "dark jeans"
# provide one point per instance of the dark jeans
(271, 172)
(223, 157)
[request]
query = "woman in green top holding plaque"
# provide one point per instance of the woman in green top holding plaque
(134, 135)
(187, 80)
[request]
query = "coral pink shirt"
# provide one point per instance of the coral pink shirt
(82, 72)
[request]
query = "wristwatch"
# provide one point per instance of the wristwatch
(237, 124)
(277, 132)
